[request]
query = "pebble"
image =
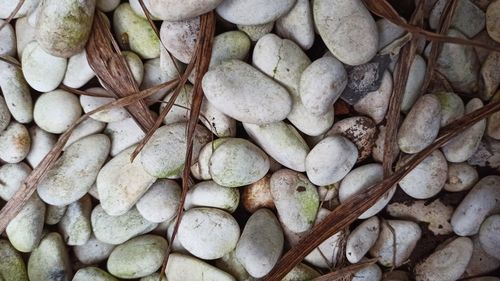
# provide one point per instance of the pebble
(56, 111)
(375, 104)
(480, 262)
(330, 160)
(296, 199)
(107, 5)
(448, 262)
(260, 244)
(271, 104)
(43, 71)
(257, 31)
(493, 127)
(467, 17)
(230, 45)
(135, 32)
(219, 123)
(489, 236)
(492, 20)
(86, 128)
(361, 239)
(153, 277)
(421, 125)
(160, 202)
(297, 25)
(452, 107)
(121, 183)
(25, 229)
(257, 195)
(54, 214)
(94, 274)
(201, 169)
(15, 143)
(4, 114)
(41, 143)
(90, 103)
(427, 178)
(182, 106)
(360, 179)
(12, 177)
(489, 76)
(12, 266)
(388, 32)
(16, 92)
(415, 81)
(253, 12)
(137, 257)
(123, 134)
(9, 6)
(479, 203)
(179, 266)
(334, 21)
(461, 176)
(180, 37)
(172, 10)
(75, 171)
(7, 40)
(308, 123)
(75, 225)
(25, 33)
(464, 145)
(154, 76)
(164, 154)
(50, 261)
(93, 251)
(282, 142)
(238, 162)
(210, 194)
(436, 214)
(301, 272)
(78, 71)
(230, 264)
(63, 27)
(369, 273)
(118, 229)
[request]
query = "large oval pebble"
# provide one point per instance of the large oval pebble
(210, 194)
(56, 111)
(25, 229)
(297, 25)
(50, 260)
(12, 266)
(361, 239)
(180, 37)
(16, 92)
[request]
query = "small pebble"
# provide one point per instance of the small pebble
(160, 202)
(50, 260)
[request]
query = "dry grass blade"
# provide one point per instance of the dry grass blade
(17, 202)
(12, 14)
(202, 62)
(345, 271)
(105, 58)
(9, 60)
(349, 211)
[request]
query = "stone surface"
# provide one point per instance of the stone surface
(56, 111)
(50, 261)
(254, 11)
(160, 202)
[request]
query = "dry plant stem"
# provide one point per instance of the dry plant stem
(349, 211)
(13, 14)
(105, 58)
(83, 93)
(345, 271)
(17, 202)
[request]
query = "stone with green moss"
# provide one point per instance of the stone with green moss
(12, 265)
(94, 274)
(50, 260)
(452, 107)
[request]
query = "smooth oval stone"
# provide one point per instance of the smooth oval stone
(121, 183)
(137, 257)
(118, 229)
(75, 171)
(93, 251)
(8, 7)
(43, 71)
(489, 236)
(94, 274)
(245, 94)
(90, 103)
(296, 199)
(321, 84)
(308, 123)
(448, 262)
(360, 130)
(7, 40)
(16, 92)
(230, 45)
(492, 20)
(282, 142)
(135, 64)
(452, 107)
(238, 162)
(375, 104)
(160, 202)
(180, 37)
(78, 71)
(369, 273)
(297, 25)
(172, 10)
(75, 224)
(54, 214)
(260, 244)
(86, 128)
(123, 134)
(421, 126)
(254, 11)
(480, 262)
(4, 114)
(50, 261)
(179, 266)
(360, 179)
(219, 123)
(414, 83)
(63, 27)
(258, 195)
(463, 146)
(12, 177)
(480, 202)
(41, 143)
(427, 179)
(404, 233)
(12, 266)
(461, 176)
(361, 239)
(330, 160)
(107, 5)
(220, 232)
(135, 32)
(210, 194)
(15, 143)
(56, 111)
(334, 21)
(164, 154)
(467, 17)
(25, 229)
(255, 32)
